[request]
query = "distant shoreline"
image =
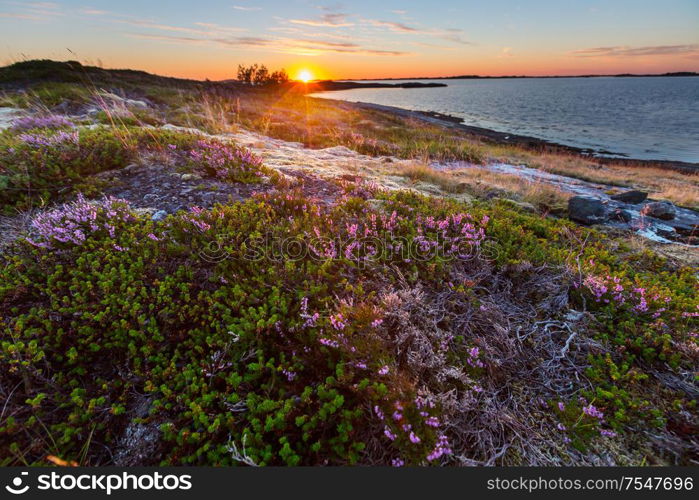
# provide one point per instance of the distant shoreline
(505, 77)
(332, 85)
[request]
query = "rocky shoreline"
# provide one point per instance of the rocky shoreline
(534, 143)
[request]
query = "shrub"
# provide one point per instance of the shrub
(244, 354)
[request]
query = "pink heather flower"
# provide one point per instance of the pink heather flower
(561, 406)
(72, 223)
(153, 237)
(432, 422)
(397, 462)
(376, 323)
(328, 342)
(378, 412)
(606, 433)
(592, 412)
(561, 427)
(387, 432)
(49, 122)
(441, 448)
(414, 438)
(384, 370)
(397, 415)
(337, 320)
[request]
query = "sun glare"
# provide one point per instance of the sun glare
(305, 76)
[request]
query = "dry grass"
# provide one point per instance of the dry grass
(482, 183)
(680, 188)
(320, 123)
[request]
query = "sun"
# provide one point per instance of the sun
(304, 76)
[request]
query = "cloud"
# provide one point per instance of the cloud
(330, 20)
(450, 34)
(506, 52)
(246, 9)
(624, 51)
(94, 12)
(400, 27)
(15, 15)
(34, 11)
(202, 29)
(295, 46)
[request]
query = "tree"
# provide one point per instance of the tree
(280, 76)
(260, 75)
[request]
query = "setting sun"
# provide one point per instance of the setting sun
(305, 76)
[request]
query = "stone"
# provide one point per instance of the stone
(660, 210)
(621, 215)
(522, 205)
(634, 197)
(159, 215)
(189, 177)
(587, 210)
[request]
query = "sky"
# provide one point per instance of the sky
(358, 38)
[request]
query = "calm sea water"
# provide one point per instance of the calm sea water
(644, 118)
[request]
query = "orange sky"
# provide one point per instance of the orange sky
(364, 39)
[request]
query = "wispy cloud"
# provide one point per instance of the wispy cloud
(506, 52)
(34, 11)
(94, 12)
(329, 20)
(393, 26)
(246, 9)
(16, 15)
(202, 29)
(625, 51)
(297, 46)
(451, 34)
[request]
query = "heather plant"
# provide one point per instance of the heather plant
(331, 357)
(40, 165)
(30, 122)
(225, 161)
(36, 166)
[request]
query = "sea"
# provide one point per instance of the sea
(648, 118)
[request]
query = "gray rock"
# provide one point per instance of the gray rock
(634, 197)
(621, 215)
(587, 210)
(159, 215)
(189, 177)
(660, 210)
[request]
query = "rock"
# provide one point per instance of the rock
(621, 215)
(522, 205)
(587, 210)
(660, 210)
(634, 197)
(189, 177)
(159, 215)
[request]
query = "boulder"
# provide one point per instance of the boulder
(587, 210)
(159, 215)
(634, 197)
(621, 215)
(660, 210)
